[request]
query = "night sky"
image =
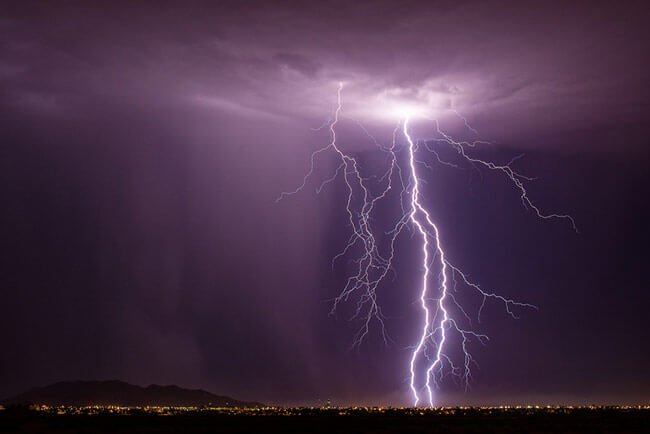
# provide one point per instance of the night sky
(144, 144)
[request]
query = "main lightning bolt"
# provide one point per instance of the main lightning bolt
(430, 359)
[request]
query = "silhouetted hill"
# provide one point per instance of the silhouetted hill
(80, 393)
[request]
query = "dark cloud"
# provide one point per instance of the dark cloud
(580, 58)
(297, 62)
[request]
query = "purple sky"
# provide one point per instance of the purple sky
(144, 145)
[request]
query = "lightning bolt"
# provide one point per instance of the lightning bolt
(443, 315)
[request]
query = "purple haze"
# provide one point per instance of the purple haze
(144, 145)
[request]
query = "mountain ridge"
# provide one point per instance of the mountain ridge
(121, 393)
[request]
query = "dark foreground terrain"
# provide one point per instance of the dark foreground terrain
(328, 420)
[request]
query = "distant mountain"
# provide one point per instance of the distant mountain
(80, 393)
